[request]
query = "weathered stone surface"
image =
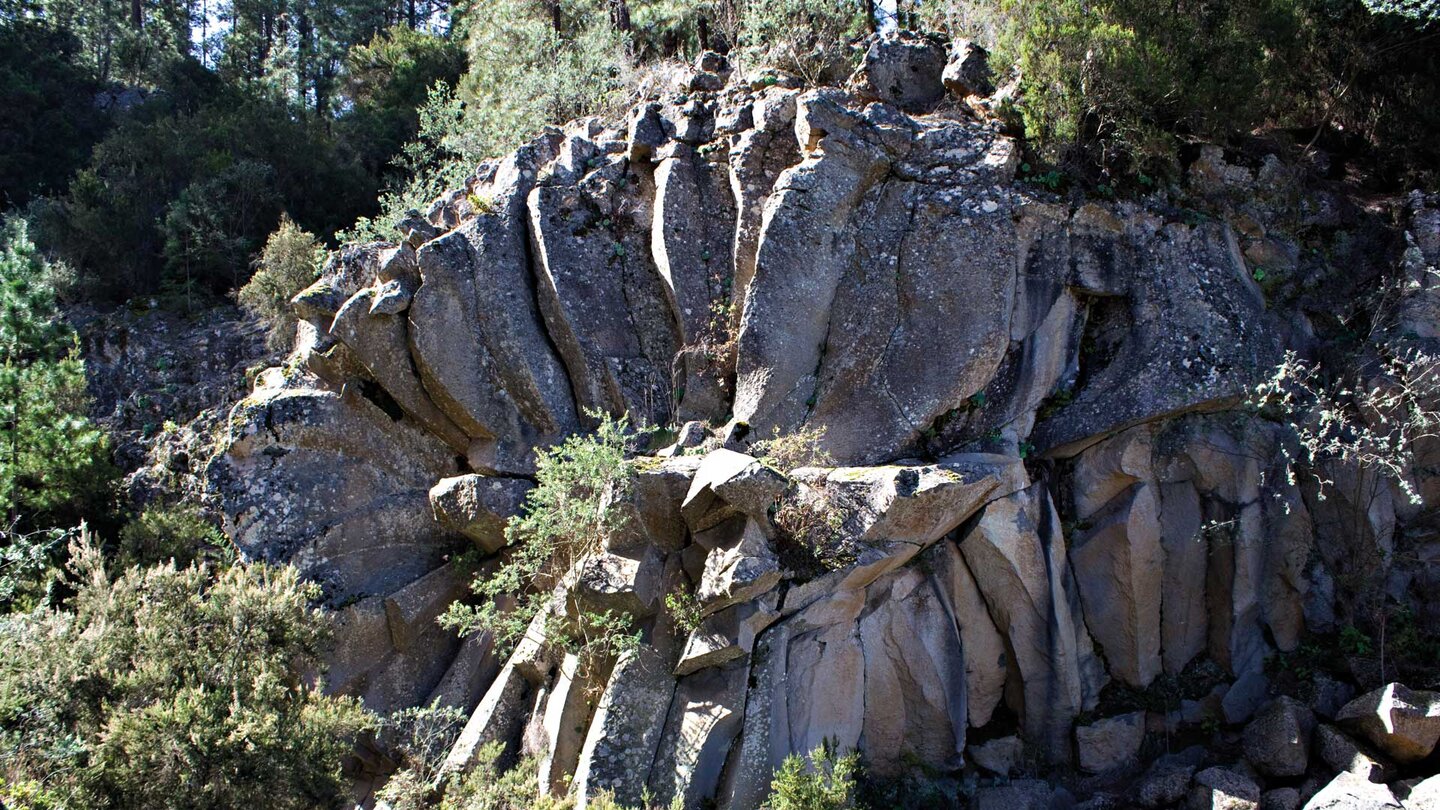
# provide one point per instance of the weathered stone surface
(903, 69)
(605, 305)
(742, 571)
(727, 483)
(479, 506)
(364, 526)
(647, 508)
(727, 635)
(757, 157)
(986, 659)
(1168, 780)
(1403, 723)
(1001, 756)
(1016, 555)
(854, 360)
(568, 706)
(498, 718)
(691, 240)
(1285, 798)
(1022, 794)
(1421, 795)
(412, 610)
(1183, 617)
(704, 718)
(629, 721)
(1190, 331)
(503, 383)
(1244, 697)
(1110, 743)
(1118, 565)
(1342, 753)
(968, 71)
(1223, 789)
(895, 512)
(1277, 741)
(379, 342)
(613, 582)
(1352, 792)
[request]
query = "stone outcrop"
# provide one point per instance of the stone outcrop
(1036, 486)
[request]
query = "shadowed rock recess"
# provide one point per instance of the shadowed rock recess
(1031, 404)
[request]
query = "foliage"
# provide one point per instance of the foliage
(821, 781)
(50, 120)
(54, 465)
(810, 38)
(488, 786)
(530, 64)
(173, 687)
(182, 192)
(179, 534)
(803, 448)
(1122, 84)
(388, 80)
(288, 264)
(1374, 423)
(564, 520)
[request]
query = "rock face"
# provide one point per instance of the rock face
(1036, 482)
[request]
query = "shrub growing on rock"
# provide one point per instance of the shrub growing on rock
(288, 264)
(820, 781)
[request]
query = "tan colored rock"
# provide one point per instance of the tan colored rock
(1016, 555)
(986, 659)
(1118, 566)
(1405, 724)
(1002, 756)
(1111, 743)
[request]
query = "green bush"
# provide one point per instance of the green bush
(1123, 84)
(565, 519)
(821, 781)
(288, 264)
(528, 68)
(809, 38)
(173, 688)
(178, 534)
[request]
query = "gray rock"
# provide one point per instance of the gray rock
(1022, 794)
(1111, 743)
(1165, 783)
(612, 582)
(727, 635)
(1350, 791)
(728, 483)
(1285, 798)
(1341, 753)
(1244, 697)
(380, 343)
(740, 572)
(1405, 724)
(903, 69)
(412, 610)
(968, 71)
(479, 506)
(625, 733)
(1223, 789)
(1118, 566)
(605, 305)
(503, 383)
(1277, 741)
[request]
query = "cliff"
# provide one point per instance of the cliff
(1044, 471)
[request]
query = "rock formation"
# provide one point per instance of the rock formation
(1045, 477)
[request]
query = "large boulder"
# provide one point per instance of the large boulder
(1277, 741)
(1405, 724)
(1111, 743)
(1350, 791)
